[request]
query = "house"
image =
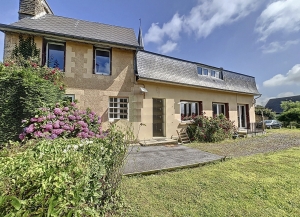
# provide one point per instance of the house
(107, 69)
(274, 104)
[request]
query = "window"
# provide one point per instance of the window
(218, 109)
(212, 73)
(102, 62)
(70, 97)
(188, 109)
(55, 55)
(205, 71)
(199, 70)
(220, 75)
(118, 108)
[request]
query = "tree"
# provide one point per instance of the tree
(291, 112)
(260, 110)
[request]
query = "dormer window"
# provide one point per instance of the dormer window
(210, 72)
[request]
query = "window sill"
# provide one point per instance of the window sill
(102, 74)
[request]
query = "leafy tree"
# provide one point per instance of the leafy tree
(259, 110)
(291, 112)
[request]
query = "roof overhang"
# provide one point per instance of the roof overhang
(190, 85)
(16, 29)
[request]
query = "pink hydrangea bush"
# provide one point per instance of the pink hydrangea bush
(63, 120)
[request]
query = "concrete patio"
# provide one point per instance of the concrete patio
(152, 159)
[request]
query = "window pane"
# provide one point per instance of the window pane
(102, 64)
(205, 71)
(215, 109)
(199, 69)
(221, 75)
(56, 56)
(213, 73)
(114, 108)
(222, 109)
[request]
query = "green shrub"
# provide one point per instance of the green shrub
(62, 177)
(213, 129)
(22, 91)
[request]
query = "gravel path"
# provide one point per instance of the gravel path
(274, 140)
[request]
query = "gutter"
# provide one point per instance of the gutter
(4, 27)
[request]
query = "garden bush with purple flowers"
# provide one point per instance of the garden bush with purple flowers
(23, 90)
(211, 129)
(64, 120)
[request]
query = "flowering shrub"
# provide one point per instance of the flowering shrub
(213, 129)
(63, 120)
(62, 177)
(23, 89)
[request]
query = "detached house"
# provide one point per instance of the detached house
(107, 69)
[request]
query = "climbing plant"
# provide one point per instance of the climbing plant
(26, 49)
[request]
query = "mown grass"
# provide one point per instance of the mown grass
(259, 185)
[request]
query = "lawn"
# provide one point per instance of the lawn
(258, 185)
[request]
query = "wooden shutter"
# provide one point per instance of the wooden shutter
(227, 110)
(44, 52)
(200, 108)
(247, 116)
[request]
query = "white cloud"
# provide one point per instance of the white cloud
(277, 46)
(291, 77)
(282, 15)
(285, 94)
(171, 29)
(206, 16)
(168, 47)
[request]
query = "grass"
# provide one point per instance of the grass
(259, 185)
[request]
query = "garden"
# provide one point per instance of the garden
(55, 159)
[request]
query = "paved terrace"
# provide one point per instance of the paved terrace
(152, 159)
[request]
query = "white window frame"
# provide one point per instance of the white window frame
(72, 96)
(118, 108)
(95, 67)
(203, 69)
(182, 103)
(47, 52)
(241, 107)
(199, 67)
(218, 108)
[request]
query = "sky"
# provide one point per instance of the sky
(260, 38)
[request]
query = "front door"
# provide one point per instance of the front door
(158, 118)
(241, 111)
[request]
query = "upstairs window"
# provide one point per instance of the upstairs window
(55, 55)
(199, 70)
(205, 71)
(212, 73)
(102, 62)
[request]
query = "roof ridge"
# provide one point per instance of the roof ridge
(284, 97)
(81, 20)
(188, 61)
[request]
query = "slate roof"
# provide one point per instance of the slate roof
(274, 104)
(79, 29)
(156, 67)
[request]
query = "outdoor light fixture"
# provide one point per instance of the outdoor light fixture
(143, 90)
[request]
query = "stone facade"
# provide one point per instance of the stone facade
(94, 90)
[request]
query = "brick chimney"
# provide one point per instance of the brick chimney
(33, 8)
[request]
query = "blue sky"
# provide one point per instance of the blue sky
(260, 38)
